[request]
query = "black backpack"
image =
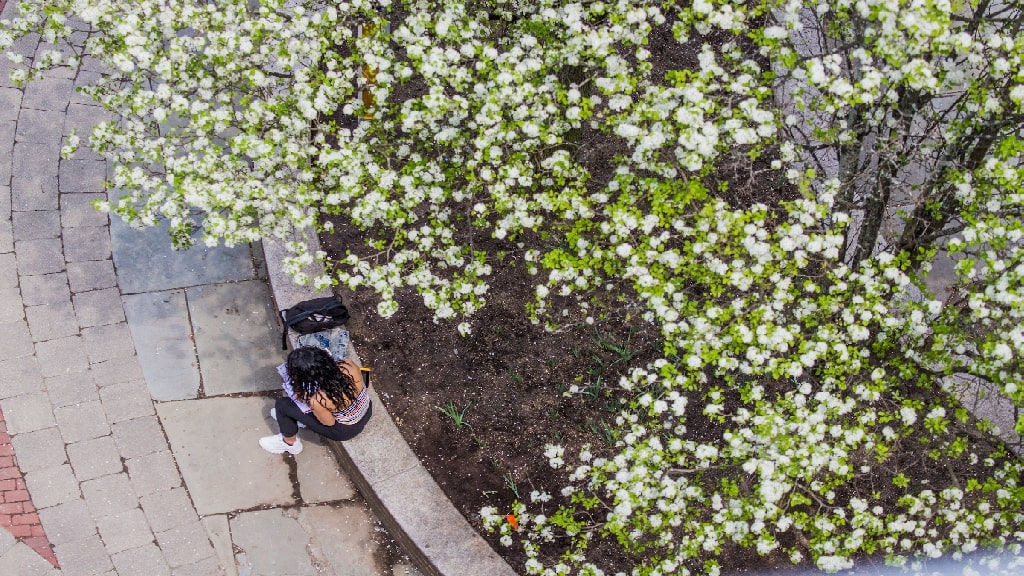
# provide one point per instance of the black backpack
(313, 315)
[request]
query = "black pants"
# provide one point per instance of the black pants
(289, 415)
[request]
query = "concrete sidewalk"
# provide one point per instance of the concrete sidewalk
(135, 382)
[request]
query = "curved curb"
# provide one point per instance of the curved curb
(398, 488)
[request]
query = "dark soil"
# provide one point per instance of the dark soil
(507, 379)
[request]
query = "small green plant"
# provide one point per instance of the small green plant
(609, 434)
(510, 483)
(608, 343)
(455, 414)
(515, 376)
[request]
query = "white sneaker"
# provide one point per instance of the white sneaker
(276, 445)
(273, 414)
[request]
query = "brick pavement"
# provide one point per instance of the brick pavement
(17, 513)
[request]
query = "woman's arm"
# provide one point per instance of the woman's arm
(323, 415)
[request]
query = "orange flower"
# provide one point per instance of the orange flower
(512, 520)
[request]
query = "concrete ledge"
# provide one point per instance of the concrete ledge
(398, 488)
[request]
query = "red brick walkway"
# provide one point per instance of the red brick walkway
(17, 513)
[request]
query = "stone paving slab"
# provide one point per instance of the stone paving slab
(215, 443)
(146, 262)
(320, 478)
(163, 337)
(339, 539)
(270, 543)
(233, 326)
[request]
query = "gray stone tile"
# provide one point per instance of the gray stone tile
(126, 400)
(145, 560)
(146, 262)
(86, 243)
(162, 330)
(41, 256)
(62, 356)
(168, 509)
(10, 102)
(83, 116)
(32, 190)
(40, 449)
(76, 210)
(139, 437)
(47, 94)
(51, 321)
(237, 425)
(83, 557)
(236, 335)
(219, 531)
(7, 541)
(6, 234)
(39, 126)
(208, 567)
(19, 376)
(273, 543)
(320, 476)
(116, 370)
(68, 389)
(34, 180)
(153, 473)
(52, 486)
(78, 176)
(93, 64)
(15, 340)
(125, 530)
(36, 224)
(11, 309)
(343, 539)
(8, 270)
(184, 545)
(21, 560)
(28, 413)
(91, 275)
(104, 343)
(98, 307)
(109, 494)
(94, 458)
(7, 147)
(67, 522)
(82, 421)
(83, 151)
(45, 289)
(87, 75)
(5, 193)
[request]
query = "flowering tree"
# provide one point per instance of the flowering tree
(802, 395)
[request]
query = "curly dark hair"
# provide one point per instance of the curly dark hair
(312, 370)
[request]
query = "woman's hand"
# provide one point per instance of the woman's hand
(322, 413)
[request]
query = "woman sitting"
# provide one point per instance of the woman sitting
(325, 395)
